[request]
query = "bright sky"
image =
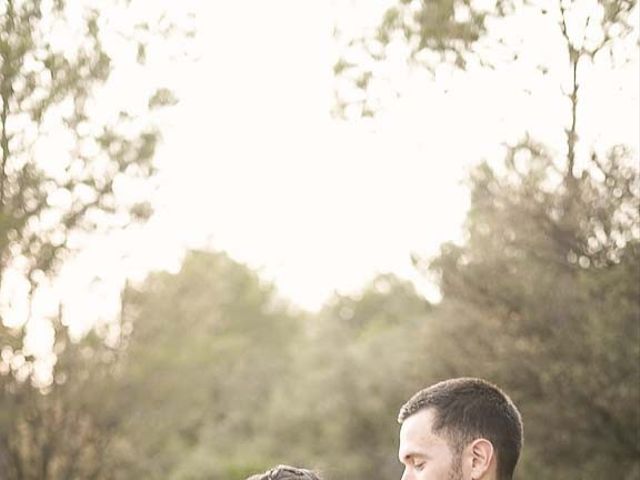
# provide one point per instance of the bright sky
(252, 162)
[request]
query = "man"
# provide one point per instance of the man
(460, 429)
(285, 472)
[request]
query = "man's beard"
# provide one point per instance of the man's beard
(455, 472)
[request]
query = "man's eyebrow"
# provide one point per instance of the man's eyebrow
(412, 454)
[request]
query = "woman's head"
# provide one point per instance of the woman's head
(285, 472)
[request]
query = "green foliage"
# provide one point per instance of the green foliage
(543, 299)
(463, 33)
(213, 377)
(442, 29)
(208, 347)
(62, 159)
(65, 430)
(162, 97)
(349, 381)
(208, 375)
(60, 163)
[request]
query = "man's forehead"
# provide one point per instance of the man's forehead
(420, 423)
(416, 434)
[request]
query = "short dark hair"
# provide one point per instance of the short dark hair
(470, 408)
(286, 472)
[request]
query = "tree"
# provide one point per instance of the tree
(221, 379)
(64, 154)
(420, 33)
(207, 349)
(471, 34)
(543, 299)
(337, 410)
(67, 430)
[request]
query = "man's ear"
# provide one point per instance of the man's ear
(482, 458)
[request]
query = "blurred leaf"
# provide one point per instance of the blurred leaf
(162, 97)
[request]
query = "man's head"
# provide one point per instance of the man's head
(286, 472)
(460, 429)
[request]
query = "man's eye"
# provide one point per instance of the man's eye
(419, 465)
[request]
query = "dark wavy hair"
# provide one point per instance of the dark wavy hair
(286, 472)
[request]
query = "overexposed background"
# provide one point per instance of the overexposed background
(254, 164)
